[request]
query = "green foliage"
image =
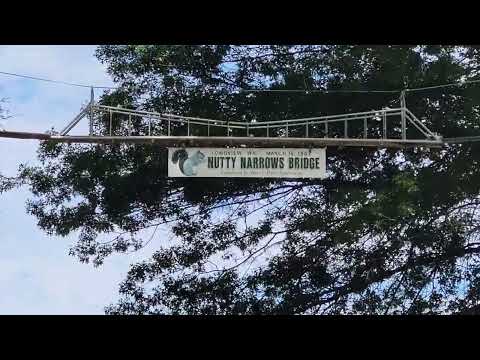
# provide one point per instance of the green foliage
(389, 232)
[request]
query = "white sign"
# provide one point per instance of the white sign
(241, 162)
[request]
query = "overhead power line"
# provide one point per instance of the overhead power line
(262, 90)
(363, 91)
(444, 85)
(56, 81)
(243, 90)
(320, 91)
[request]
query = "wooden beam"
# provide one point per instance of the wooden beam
(24, 135)
(205, 141)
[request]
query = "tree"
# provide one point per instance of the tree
(390, 231)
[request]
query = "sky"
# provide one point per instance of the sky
(37, 276)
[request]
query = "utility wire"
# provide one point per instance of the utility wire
(55, 81)
(320, 91)
(262, 90)
(242, 90)
(364, 91)
(444, 85)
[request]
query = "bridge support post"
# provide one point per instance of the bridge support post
(403, 106)
(111, 117)
(92, 99)
(384, 124)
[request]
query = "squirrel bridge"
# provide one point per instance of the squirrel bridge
(397, 128)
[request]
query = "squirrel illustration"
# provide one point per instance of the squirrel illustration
(188, 165)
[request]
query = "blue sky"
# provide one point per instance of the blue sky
(37, 276)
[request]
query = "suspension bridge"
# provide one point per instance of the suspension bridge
(388, 128)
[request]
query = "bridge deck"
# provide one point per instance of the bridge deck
(205, 141)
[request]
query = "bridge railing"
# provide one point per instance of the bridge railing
(377, 124)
